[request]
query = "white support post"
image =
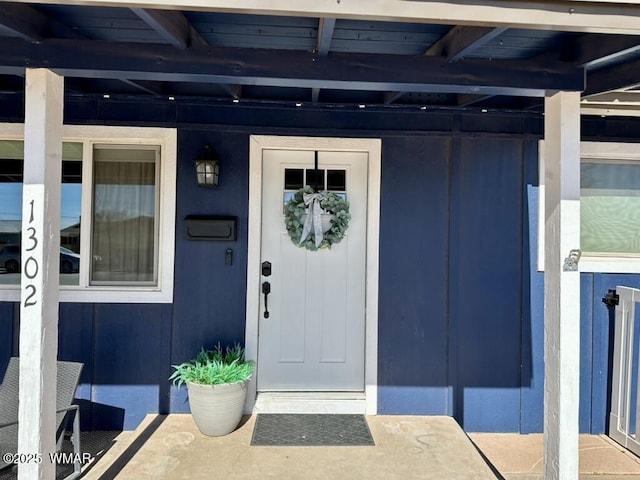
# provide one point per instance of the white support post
(40, 273)
(561, 286)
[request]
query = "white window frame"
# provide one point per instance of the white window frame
(167, 140)
(607, 152)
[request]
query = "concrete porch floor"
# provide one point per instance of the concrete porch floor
(421, 447)
(519, 457)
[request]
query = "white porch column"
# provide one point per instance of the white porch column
(561, 286)
(40, 271)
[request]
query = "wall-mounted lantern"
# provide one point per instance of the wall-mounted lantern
(208, 167)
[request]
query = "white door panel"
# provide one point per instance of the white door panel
(315, 334)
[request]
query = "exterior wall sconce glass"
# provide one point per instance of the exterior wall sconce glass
(208, 167)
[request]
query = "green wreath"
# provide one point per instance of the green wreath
(332, 204)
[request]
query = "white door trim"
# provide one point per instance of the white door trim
(258, 143)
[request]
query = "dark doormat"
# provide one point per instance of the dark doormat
(280, 429)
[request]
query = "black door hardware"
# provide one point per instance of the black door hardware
(266, 290)
(266, 269)
(611, 299)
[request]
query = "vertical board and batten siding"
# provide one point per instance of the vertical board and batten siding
(209, 296)
(532, 357)
(125, 350)
(129, 373)
(486, 239)
(413, 300)
(6, 334)
(603, 321)
(460, 303)
(450, 281)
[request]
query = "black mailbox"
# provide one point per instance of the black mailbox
(208, 227)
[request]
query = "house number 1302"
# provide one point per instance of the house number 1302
(30, 266)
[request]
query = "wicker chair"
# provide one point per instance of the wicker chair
(67, 381)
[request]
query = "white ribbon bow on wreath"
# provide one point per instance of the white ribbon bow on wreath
(313, 222)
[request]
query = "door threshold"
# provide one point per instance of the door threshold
(310, 402)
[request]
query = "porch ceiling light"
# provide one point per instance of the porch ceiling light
(208, 167)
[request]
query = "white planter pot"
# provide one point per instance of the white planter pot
(217, 409)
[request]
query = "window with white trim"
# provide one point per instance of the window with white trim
(117, 213)
(609, 207)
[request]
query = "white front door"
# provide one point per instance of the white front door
(314, 336)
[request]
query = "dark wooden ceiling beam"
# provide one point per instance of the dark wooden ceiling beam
(25, 21)
(390, 97)
(591, 50)
(234, 91)
(461, 41)
(466, 100)
(594, 50)
(326, 26)
(454, 45)
(173, 26)
(147, 87)
(32, 25)
(315, 94)
(290, 68)
(622, 76)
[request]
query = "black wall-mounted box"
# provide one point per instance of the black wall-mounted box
(210, 227)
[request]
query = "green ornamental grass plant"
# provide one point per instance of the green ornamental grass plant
(214, 367)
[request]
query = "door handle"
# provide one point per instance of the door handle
(266, 290)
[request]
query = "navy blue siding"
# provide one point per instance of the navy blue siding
(461, 300)
(129, 376)
(488, 225)
(413, 276)
(531, 390)
(76, 342)
(586, 342)
(603, 322)
(6, 335)
(209, 296)
(125, 351)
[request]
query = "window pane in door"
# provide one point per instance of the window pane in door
(315, 179)
(124, 238)
(337, 180)
(610, 208)
(293, 178)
